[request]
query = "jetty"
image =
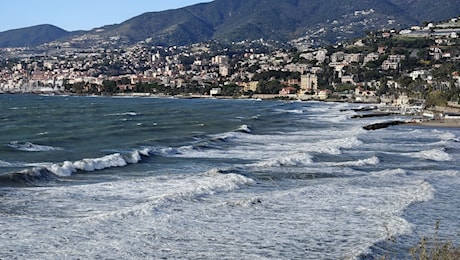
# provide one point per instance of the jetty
(383, 125)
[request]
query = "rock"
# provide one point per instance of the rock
(383, 125)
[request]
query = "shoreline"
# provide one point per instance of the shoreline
(445, 123)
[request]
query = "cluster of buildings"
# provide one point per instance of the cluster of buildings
(56, 68)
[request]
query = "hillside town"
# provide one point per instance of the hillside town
(417, 66)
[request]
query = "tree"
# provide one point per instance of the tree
(436, 98)
(124, 81)
(109, 87)
(231, 90)
(269, 87)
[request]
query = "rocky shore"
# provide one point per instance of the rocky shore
(448, 123)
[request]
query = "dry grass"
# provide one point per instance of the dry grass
(435, 249)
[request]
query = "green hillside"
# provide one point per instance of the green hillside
(325, 22)
(31, 36)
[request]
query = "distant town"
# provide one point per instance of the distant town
(418, 66)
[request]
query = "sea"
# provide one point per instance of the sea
(175, 178)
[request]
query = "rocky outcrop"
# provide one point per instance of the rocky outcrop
(383, 125)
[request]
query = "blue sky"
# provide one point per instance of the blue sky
(79, 14)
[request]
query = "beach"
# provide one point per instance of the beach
(449, 123)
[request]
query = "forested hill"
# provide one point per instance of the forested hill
(280, 20)
(31, 36)
(327, 20)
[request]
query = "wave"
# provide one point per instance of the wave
(333, 146)
(31, 147)
(446, 136)
(307, 160)
(376, 210)
(171, 151)
(228, 136)
(278, 150)
(27, 177)
(245, 202)
(290, 111)
(362, 162)
(244, 129)
(438, 155)
(95, 164)
(130, 114)
(286, 161)
(8, 164)
(43, 172)
(331, 118)
(390, 173)
(157, 195)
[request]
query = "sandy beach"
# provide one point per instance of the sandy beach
(451, 123)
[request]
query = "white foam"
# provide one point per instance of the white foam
(389, 172)
(31, 147)
(374, 160)
(291, 111)
(245, 202)
(278, 150)
(433, 154)
(94, 164)
(130, 114)
(245, 129)
(112, 160)
(332, 118)
(8, 164)
(157, 193)
(338, 213)
(333, 146)
(445, 136)
(286, 160)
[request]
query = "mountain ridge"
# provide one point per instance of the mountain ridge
(32, 36)
(238, 20)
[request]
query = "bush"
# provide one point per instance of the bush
(435, 249)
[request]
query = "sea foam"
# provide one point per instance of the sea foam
(31, 147)
(67, 168)
(434, 154)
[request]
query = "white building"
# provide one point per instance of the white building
(308, 82)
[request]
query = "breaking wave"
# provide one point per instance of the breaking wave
(53, 171)
(363, 162)
(94, 164)
(438, 155)
(286, 161)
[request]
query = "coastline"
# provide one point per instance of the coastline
(446, 123)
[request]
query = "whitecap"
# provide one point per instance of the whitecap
(67, 168)
(288, 160)
(130, 114)
(390, 172)
(245, 202)
(290, 111)
(333, 146)
(244, 129)
(362, 162)
(445, 136)
(31, 147)
(433, 154)
(9, 164)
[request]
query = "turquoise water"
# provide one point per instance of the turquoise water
(105, 177)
